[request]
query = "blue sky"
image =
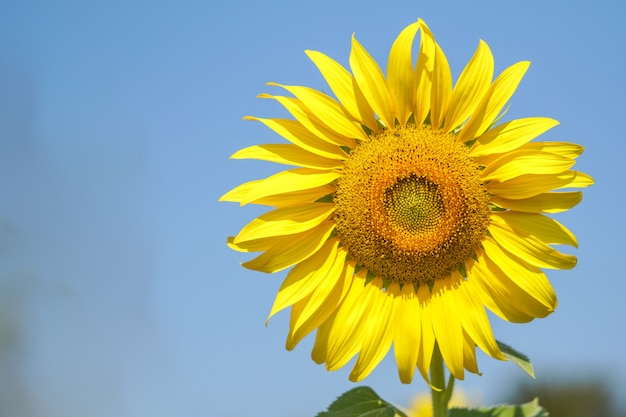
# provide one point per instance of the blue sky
(118, 295)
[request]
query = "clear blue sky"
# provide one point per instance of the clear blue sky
(118, 295)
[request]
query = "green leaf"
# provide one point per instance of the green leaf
(361, 402)
(517, 358)
(531, 409)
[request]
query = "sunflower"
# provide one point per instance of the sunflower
(411, 209)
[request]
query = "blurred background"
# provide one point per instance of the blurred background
(118, 295)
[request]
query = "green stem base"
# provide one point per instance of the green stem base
(441, 393)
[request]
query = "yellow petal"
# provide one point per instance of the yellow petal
(528, 277)
(325, 307)
(553, 202)
(344, 86)
(289, 250)
(239, 193)
(252, 246)
(469, 354)
(305, 277)
(470, 87)
(287, 154)
(346, 332)
(579, 180)
(541, 227)
(424, 74)
(475, 320)
(377, 332)
(319, 354)
(504, 297)
(493, 101)
(511, 135)
(295, 198)
(371, 82)
(407, 334)
(530, 185)
(327, 110)
(285, 221)
(428, 335)
(529, 249)
(441, 90)
(297, 134)
(564, 149)
(446, 319)
(400, 76)
(310, 121)
(322, 302)
(498, 295)
(524, 162)
(288, 181)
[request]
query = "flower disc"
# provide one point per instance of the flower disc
(410, 205)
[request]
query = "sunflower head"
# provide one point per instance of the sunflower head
(410, 210)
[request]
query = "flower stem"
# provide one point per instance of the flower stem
(440, 392)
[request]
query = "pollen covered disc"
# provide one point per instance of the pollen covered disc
(411, 205)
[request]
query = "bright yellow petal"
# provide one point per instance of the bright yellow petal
(322, 302)
(287, 154)
(371, 81)
(446, 319)
(293, 198)
(310, 121)
(319, 352)
(504, 297)
(524, 162)
(428, 335)
(493, 101)
(344, 86)
(564, 149)
(424, 74)
(239, 193)
(377, 332)
(530, 185)
(297, 134)
(346, 330)
(542, 227)
(252, 246)
(289, 250)
(475, 320)
(286, 221)
(553, 202)
(288, 181)
(441, 89)
(529, 278)
(529, 249)
(400, 76)
(305, 277)
(511, 135)
(407, 330)
(579, 180)
(325, 310)
(327, 110)
(470, 87)
(469, 354)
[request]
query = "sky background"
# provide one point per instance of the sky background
(118, 295)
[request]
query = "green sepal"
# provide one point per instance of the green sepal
(530, 409)
(517, 358)
(361, 402)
